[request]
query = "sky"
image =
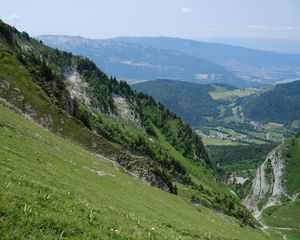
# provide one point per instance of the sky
(194, 19)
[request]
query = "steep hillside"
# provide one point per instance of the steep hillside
(275, 190)
(134, 62)
(190, 101)
(248, 64)
(211, 104)
(281, 104)
(71, 97)
(237, 143)
(60, 87)
(54, 189)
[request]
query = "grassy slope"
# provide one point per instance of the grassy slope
(286, 215)
(217, 94)
(293, 166)
(50, 188)
(19, 78)
(21, 85)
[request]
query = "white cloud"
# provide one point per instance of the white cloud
(11, 18)
(186, 10)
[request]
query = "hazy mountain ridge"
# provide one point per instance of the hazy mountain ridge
(133, 62)
(246, 63)
(279, 45)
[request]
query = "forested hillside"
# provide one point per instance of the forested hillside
(190, 101)
(281, 104)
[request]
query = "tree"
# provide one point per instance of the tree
(175, 191)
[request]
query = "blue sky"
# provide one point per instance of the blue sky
(196, 19)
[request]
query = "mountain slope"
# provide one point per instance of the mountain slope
(198, 104)
(72, 98)
(281, 104)
(275, 190)
(52, 188)
(136, 62)
(43, 93)
(248, 64)
(190, 101)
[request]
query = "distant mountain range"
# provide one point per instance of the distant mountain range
(143, 58)
(134, 62)
(247, 64)
(266, 44)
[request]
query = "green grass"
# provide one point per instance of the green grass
(219, 94)
(291, 234)
(286, 215)
(219, 142)
(53, 189)
(201, 176)
(292, 168)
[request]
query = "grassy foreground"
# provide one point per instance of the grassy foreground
(53, 189)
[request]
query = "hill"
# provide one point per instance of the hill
(281, 104)
(133, 62)
(70, 97)
(226, 106)
(190, 101)
(247, 64)
(201, 105)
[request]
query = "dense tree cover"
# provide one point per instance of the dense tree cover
(232, 160)
(240, 157)
(281, 104)
(7, 32)
(51, 82)
(190, 101)
(229, 206)
(177, 132)
(136, 142)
